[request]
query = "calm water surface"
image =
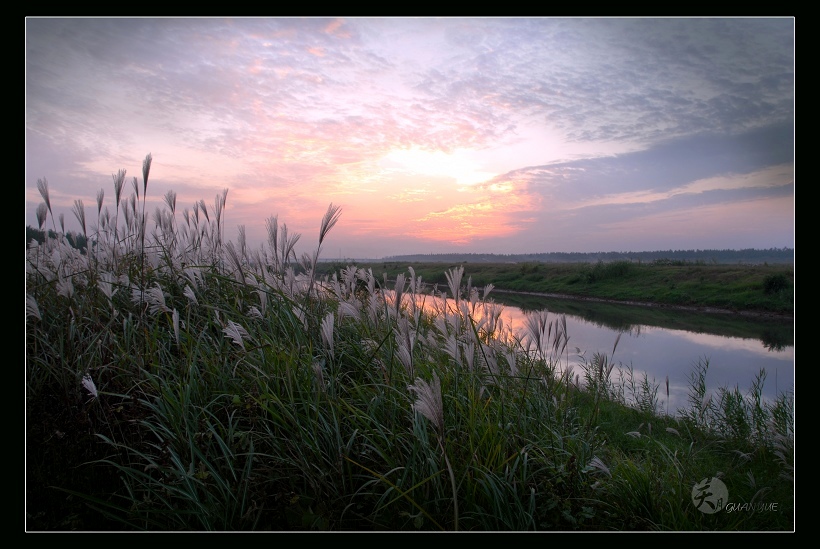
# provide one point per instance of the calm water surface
(666, 350)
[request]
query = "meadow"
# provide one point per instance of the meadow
(764, 289)
(180, 381)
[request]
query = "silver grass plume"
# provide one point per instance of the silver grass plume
(119, 181)
(154, 297)
(453, 348)
(328, 221)
(64, 286)
(204, 209)
(31, 307)
(236, 261)
(146, 168)
(429, 404)
(106, 285)
(349, 308)
(350, 275)
(175, 319)
(287, 245)
(487, 289)
(428, 401)
(170, 199)
(327, 331)
(243, 242)
(88, 383)
(236, 332)
(454, 281)
(189, 293)
(596, 463)
(272, 224)
(42, 212)
(319, 374)
(263, 299)
(42, 186)
(219, 207)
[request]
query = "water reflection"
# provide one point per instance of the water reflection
(660, 351)
(663, 342)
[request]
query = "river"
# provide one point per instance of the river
(665, 342)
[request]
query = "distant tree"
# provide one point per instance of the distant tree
(75, 240)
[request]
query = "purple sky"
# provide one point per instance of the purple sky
(483, 135)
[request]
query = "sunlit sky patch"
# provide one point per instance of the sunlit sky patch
(483, 135)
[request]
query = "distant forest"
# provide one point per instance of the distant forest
(747, 256)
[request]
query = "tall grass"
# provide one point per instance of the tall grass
(180, 381)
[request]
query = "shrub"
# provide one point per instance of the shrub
(607, 271)
(775, 283)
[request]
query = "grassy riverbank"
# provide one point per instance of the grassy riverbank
(740, 288)
(178, 382)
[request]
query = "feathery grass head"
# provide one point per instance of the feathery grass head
(79, 213)
(454, 281)
(236, 332)
(42, 186)
(42, 212)
(234, 258)
(119, 181)
(328, 221)
(204, 209)
(597, 464)
(428, 401)
(31, 307)
(170, 199)
(319, 375)
(327, 331)
(89, 385)
(153, 296)
(146, 168)
(219, 206)
(189, 293)
(287, 244)
(175, 319)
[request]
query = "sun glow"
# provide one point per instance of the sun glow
(461, 165)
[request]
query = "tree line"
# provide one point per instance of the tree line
(709, 256)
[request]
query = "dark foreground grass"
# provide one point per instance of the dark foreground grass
(176, 381)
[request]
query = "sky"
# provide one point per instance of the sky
(433, 135)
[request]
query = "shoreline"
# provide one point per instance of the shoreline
(693, 308)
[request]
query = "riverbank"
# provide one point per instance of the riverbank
(328, 414)
(753, 290)
(691, 308)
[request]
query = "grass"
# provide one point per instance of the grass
(178, 381)
(742, 288)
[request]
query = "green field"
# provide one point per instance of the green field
(741, 288)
